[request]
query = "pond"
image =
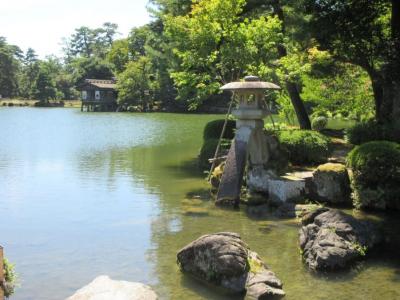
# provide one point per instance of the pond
(87, 194)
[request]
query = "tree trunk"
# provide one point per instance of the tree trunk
(295, 98)
(389, 108)
(395, 93)
(301, 113)
(395, 21)
(377, 87)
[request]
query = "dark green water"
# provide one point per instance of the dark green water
(83, 195)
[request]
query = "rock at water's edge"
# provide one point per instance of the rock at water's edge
(332, 239)
(224, 260)
(332, 184)
(104, 288)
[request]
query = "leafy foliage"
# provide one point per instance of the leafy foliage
(82, 68)
(9, 67)
(305, 146)
(376, 174)
(364, 33)
(88, 42)
(10, 278)
(214, 44)
(371, 130)
(135, 83)
(319, 123)
(214, 128)
(343, 90)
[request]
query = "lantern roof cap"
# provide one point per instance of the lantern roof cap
(250, 83)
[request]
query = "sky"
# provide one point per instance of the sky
(41, 24)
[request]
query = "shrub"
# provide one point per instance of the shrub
(319, 123)
(305, 146)
(213, 129)
(208, 151)
(376, 174)
(371, 131)
(10, 278)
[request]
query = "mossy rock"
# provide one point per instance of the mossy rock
(213, 129)
(217, 175)
(376, 175)
(332, 167)
(305, 146)
(332, 184)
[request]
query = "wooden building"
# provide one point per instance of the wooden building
(98, 95)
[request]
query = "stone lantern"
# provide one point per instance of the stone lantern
(250, 144)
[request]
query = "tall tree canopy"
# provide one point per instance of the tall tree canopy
(9, 67)
(365, 33)
(215, 45)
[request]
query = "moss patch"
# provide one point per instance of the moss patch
(254, 266)
(331, 167)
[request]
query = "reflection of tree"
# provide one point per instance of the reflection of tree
(165, 164)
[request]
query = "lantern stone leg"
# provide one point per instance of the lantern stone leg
(249, 146)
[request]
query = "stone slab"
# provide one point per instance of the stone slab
(232, 178)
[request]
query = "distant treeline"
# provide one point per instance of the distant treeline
(330, 57)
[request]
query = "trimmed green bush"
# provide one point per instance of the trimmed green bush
(207, 151)
(213, 129)
(319, 123)
(305, 146)
(371, 131)
(376, 175)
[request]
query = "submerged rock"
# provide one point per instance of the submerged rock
(332, 239)
(224, 260)
(104, 288)
(292, 210)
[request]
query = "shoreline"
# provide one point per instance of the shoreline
(31, 103)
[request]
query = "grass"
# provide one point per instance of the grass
(334, 124)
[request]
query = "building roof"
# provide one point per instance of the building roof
(99, 83)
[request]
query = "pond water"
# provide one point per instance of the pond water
(86, 194)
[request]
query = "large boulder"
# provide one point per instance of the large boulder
(332, 239)
(332, 184)
(104, 288)
(224, 260)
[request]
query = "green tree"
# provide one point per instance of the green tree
(215, 45)
(81, 42)
(45, 85)
(119, 55)
(28, 75)
(292, 85)
(9, 68)
(170, 7)
(365, 33)
(82, 68)
(129, 49)
(88, 42)
(136, 83)
(346, 92)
